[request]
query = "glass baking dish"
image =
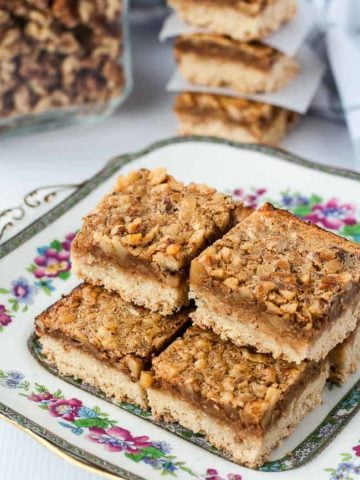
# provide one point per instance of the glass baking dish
(62, 61)
(146, 11)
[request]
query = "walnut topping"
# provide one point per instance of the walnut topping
(173, 249)
(135, 366)
(146, 379)
(68, 317)
(231, 282)
(316, 308)
(283, 266)
(107, 326)
(245, 294)
(132, 227)
(333, 266)
(167, 262)
(288, 294)
(272, 395)
(157, 176)
(226, 376)
(272, 308)
(289, 307)
(133, 239)
(151, 216)
(106, 244)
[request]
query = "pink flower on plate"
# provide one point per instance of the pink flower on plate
(234, 476)
(212, 474)
(117, 439)
(66, 409)
(5, 319)
(332, 214)
(357, 450)
(252, 199)
(50, 263)
(40, 397)
(66, 244)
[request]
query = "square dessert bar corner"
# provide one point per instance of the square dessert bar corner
(244, 402)
(95, 336)
(279, 284)
(142, 236)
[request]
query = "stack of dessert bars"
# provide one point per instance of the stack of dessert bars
(231, 54)
(224, 319)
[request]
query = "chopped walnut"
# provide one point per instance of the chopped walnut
(157, 220)
(226, 377)
(146, 379)
(103, 324)
(277, 264)
(54, 58)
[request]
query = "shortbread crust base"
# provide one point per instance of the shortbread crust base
(230, 21)
(345, 358)
(71, 361)
(146, 292)
(240, 77)
(244, 329)
(244, 449)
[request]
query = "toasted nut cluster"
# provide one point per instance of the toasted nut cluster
(225, 377)
(152, 217)
(256, 116)
(146, 379)
(284, 266)
(111, 329)
(58, 53)
(258, 54)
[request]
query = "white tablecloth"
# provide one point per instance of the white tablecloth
(74, 154)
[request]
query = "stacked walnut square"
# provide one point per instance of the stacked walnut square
(277, 299)
(222, 53)
(134, 251)
(59, 53)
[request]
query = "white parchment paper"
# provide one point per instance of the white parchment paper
(288, 39)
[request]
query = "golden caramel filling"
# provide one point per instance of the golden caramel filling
(254, 53)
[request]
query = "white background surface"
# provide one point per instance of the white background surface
(74, 154)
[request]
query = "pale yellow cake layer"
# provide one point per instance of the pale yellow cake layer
(246, 449)
(217, 72)
(81, 365)
(345, 358)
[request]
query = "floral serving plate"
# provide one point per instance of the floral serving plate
(123, 440)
